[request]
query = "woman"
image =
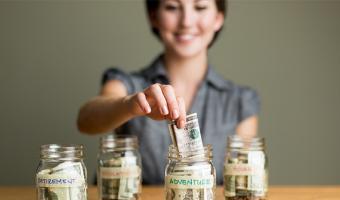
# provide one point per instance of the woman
(178, 81)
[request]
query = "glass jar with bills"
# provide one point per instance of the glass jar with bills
(190, 175)
(61, 173)
(245, 169)
(119, 168)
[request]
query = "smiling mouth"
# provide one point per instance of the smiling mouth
(185, 37)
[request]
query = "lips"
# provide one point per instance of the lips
(185, 37)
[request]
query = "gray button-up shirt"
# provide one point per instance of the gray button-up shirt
(220, 105)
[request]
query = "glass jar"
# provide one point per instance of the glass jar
(119, 168)
(245, 169)
(61, 173)
(190, 175)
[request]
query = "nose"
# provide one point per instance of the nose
(187, 17)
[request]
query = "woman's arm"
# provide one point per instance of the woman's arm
(106, 111)
(114, 106)
(248, 127)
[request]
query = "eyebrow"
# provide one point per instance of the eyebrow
(171, 0)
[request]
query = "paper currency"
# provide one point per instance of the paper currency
(190, 182)
(188, 138)
(119, 178)
(66, 181)
(191, 175)
(244, 177)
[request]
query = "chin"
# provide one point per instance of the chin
(188, 52)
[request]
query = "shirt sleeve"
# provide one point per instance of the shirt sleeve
(249, 103)
(117, 74)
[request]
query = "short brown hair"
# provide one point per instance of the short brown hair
(152, 6)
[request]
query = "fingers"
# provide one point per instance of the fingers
(143, 103)
(171, 101)
(156, 92)
(182, 116)
(163, 97)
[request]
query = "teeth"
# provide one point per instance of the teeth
(186, 37)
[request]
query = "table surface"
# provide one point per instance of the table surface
(157, 193)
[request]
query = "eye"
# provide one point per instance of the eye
(171, 7)
(201, 7)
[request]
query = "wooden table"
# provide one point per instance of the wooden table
(157, 193)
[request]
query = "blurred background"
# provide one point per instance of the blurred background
(53, 53)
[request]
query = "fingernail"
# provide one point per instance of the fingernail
(165, 110)
(182, 123)
(147, 110)
(175, 114)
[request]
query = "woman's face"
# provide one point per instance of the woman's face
(187, 27)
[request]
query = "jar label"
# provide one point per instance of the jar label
(195, 170)
(120, 172)
(189, 182)
(59, 180)
(242, 169)
(244, 177)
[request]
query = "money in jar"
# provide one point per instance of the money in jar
(188, 138)
(119, 168)
(245, 169)
(190, 175)
(61, 173)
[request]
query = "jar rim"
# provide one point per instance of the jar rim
(206, 152)
(253, 139)
(61, 146)
(252, 143)
(111, 141)
(61, 151)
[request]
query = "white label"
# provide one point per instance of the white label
(189, 182)
(120, 172)
(258, 180)
(57, 180)
(242, 169)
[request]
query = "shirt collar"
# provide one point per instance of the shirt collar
(157, 73)
(216, 80)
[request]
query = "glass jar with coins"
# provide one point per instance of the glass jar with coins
(190, 175)
(245, 169)
(119, 168)
(61, 173)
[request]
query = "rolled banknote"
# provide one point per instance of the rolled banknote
(189, 138)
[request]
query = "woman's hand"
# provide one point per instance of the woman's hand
(158, 102)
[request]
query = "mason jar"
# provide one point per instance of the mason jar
(245, 169)
(61, 173)
(119, 168)
(190, 175)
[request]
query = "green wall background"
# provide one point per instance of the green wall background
(52, 54)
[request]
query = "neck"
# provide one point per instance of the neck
(186, 70)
